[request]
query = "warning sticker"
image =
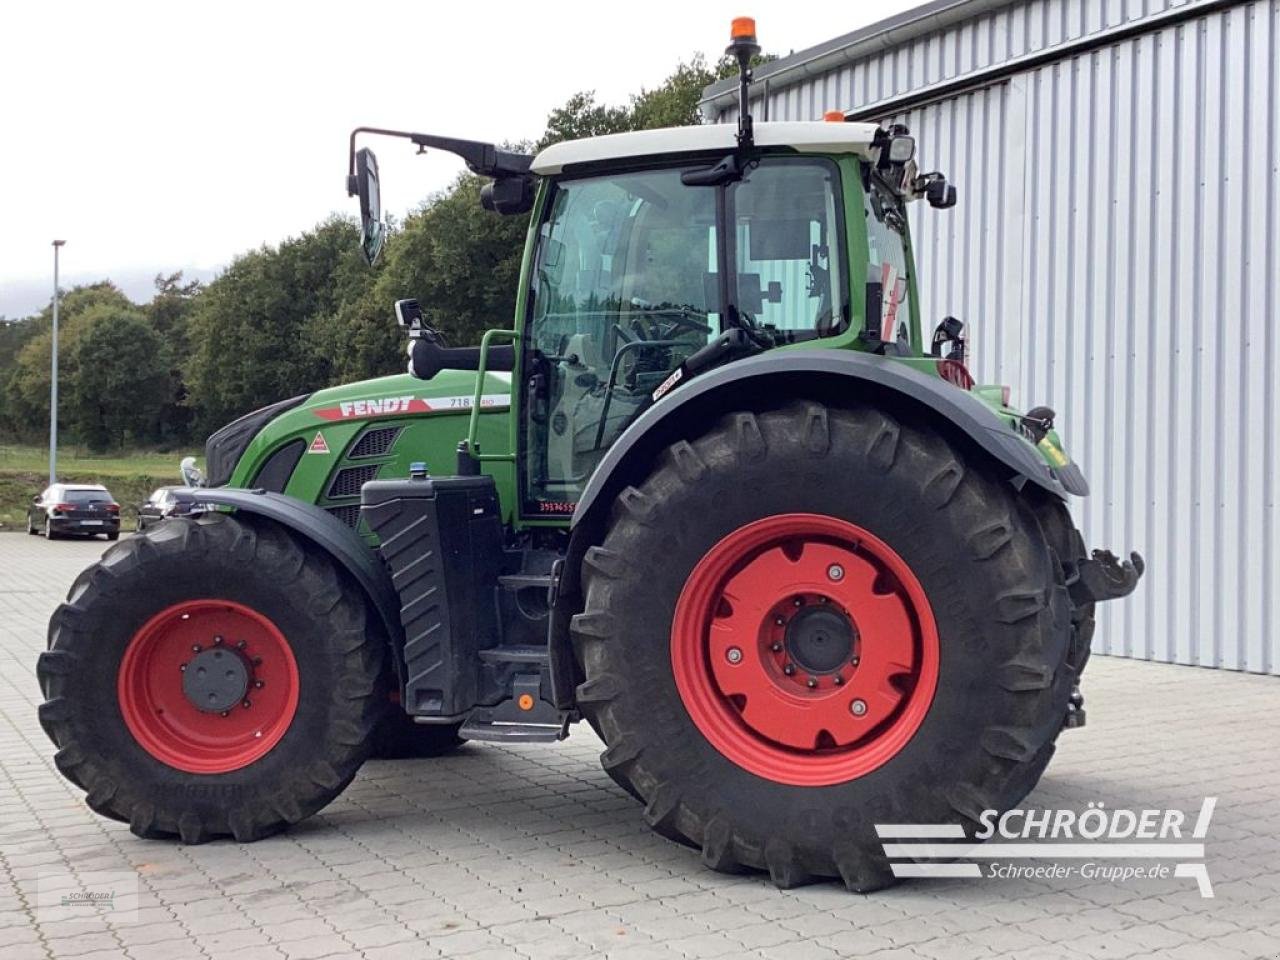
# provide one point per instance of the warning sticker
(318, 445)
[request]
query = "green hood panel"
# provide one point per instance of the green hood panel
(375, 429)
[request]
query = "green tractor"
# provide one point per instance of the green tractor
(713, 492)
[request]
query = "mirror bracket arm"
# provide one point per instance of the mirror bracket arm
(484, 159)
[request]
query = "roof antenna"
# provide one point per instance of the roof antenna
(743, 46)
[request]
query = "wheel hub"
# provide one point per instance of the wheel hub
(804, 649)
(819, 638)
(199, 704)
(216, 680)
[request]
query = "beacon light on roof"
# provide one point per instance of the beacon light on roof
(834, 116)
(742, 47)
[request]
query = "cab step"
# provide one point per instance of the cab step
(516, 582)
(516, 654)
(510, 731)
(525, 718)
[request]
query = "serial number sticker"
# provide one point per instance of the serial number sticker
(554, 506)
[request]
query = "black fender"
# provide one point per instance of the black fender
(825, 375)
(326, 532)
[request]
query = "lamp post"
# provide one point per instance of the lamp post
(53, 377)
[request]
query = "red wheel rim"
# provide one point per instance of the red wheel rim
(769, 674)
(244, 650)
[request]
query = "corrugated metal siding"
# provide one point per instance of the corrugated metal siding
(1116, 254)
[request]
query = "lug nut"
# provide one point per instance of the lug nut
(257, 684)
(835, 572)
(226, 713)
(246, 704)
(789, 669)
(778, 621)
(183, 668)
(217, 641)
(195, 648)
(838, 680)
(811, 683)
(240, 645)
(858, 707)
(733, 655)
(822, 599)
(854, 660)
(775, 647)
(257, 661)
(799, 601)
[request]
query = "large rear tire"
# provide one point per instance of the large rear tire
(1068, 543)
(807, 622)
(211, 677)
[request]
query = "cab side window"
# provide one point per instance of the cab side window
(887, 262)
(789, 246)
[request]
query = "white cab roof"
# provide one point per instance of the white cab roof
(810, 136)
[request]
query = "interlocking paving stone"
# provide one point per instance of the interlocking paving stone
(532, 852)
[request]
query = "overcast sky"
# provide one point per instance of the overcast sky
(162, 136)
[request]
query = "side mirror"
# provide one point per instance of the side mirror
(941, 195)
(949, 331)
(409, 314)
(508, 195)
(365, 185)
(36, 498)
(191, 474)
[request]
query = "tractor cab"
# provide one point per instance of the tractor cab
(659, 254)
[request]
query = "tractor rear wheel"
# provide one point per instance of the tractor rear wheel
(807, 622)
(211, 677)
(1068, 543)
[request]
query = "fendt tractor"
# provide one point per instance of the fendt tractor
(712, 492)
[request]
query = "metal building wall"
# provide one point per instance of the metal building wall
(1116, 255)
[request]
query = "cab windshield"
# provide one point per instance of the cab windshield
(627, 285)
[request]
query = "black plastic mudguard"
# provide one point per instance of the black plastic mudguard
(326, 532)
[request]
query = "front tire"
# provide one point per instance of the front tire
(926, 686)
(212, 677)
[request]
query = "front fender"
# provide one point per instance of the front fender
(320, 528)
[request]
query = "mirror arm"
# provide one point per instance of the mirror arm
(482, 158)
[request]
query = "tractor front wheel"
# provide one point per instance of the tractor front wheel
(209, 678)
(810, 621)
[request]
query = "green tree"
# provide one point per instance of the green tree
(253, 330)
(169, 314)
(581, 117)
(121, 387)
(24, 396)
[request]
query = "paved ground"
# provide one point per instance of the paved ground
(533, 853)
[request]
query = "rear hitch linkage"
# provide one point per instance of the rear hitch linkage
(1105, 577)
